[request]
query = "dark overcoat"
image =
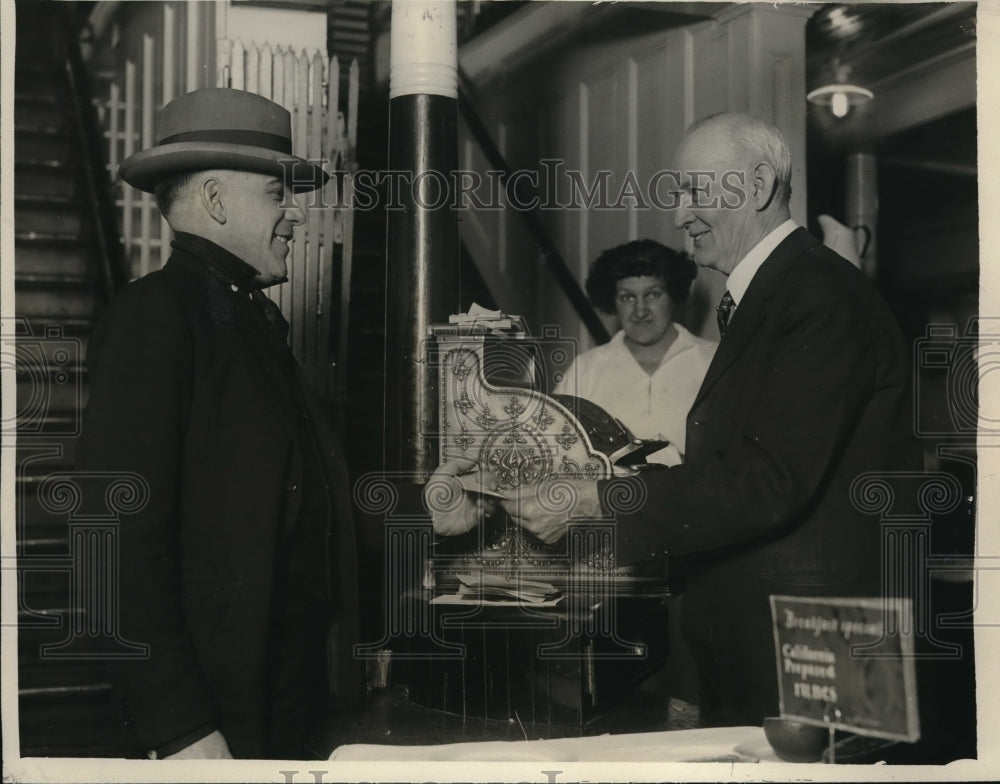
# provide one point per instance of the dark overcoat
(809, 390)
(187, 392)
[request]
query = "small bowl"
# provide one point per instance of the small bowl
(795, 741)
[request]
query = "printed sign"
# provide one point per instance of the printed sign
(847, 663)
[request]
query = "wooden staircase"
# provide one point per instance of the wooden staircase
(66, 703)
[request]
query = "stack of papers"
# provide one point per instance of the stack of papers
(478, 316)
(499, 589)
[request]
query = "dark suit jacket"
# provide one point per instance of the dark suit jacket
(186, 392)
(809, 389)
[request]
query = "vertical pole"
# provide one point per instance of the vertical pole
(861, 210)
(146, 200)
(192, 42)
(422, 246)
(169, 77)
(128, 192)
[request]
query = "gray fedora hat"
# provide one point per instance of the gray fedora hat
(222, 128)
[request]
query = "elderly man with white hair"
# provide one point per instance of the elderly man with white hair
(809, 389)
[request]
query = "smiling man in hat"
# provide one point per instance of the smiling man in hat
(240, 571)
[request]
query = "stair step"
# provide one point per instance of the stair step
(71, 725)
(54, 295)
(95, 689)
(40, 520)
(50, 441)
(54, 680)
(45, 177)
(58, 680)
(31, 533)
(45, 391)
(54, 258)
(24, 129)
(52, 428)
(37, 77)
(49, 364)
(69, 326)
(40, 111)
(58, 230)
(47, 144)
(43, 586)
(45, 220)
(36, 200)
(42, 630)
(39, 98)
(52, 281)
(29, 66)
(45, 630)
(32, 634)
(43, 540)
(38, 165)
(75, 330)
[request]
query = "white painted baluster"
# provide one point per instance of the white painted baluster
(169, 66)
(237, 66)
(146, 200)
(265, 86)
(128, 194)
(253, 68)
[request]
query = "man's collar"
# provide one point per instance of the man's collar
(740, 277)
(219, 262)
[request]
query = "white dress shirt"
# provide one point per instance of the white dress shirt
(740, 277)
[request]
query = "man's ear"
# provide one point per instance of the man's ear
(765, 186)
(210, 190)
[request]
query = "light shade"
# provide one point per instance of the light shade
(840, 97)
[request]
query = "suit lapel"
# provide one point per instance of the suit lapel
(750, 313)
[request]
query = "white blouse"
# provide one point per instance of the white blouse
(651, 406)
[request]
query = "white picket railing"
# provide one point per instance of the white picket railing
(308, 85)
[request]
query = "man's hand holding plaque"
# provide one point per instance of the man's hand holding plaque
(458, 495)
(545, 509)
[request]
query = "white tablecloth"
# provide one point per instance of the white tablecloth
(723, 744)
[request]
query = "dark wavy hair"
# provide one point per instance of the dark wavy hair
(637, 259)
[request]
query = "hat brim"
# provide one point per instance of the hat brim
(145, 169)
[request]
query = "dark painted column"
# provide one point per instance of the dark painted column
(422, 254)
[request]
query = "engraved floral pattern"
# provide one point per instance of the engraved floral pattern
(543, 419)
(567, 437)
(515, 408)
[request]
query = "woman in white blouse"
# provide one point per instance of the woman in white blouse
(648, 374)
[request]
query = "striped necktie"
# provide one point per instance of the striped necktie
(724, 311)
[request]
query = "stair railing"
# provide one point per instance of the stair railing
(533, 217)
(108, 243)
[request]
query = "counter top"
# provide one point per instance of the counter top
(723, 744)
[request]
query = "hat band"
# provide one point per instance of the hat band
(269, 141)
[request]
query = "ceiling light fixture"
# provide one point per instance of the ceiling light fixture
(841, 95)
